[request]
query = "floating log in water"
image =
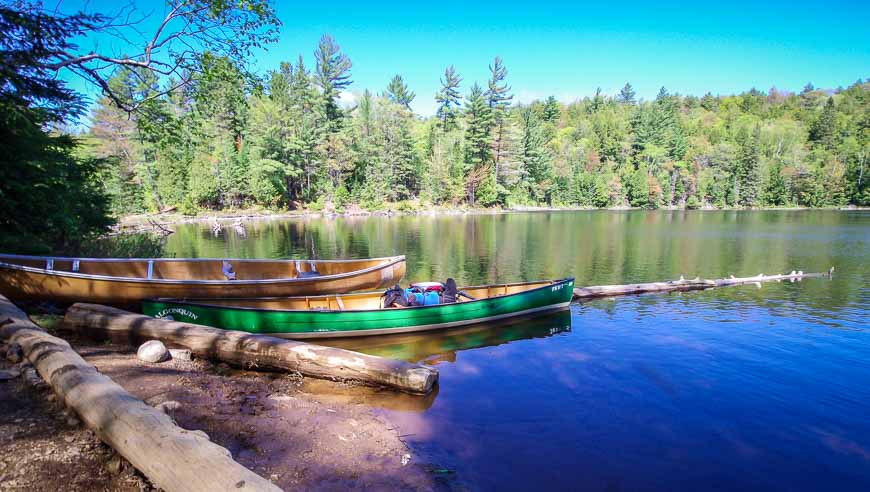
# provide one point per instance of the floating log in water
(172, 458)
(691, 284)
(252, 351)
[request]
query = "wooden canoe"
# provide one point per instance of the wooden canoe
(126, 281)
(362, 314)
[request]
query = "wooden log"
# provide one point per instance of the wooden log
(172, 458)
(683, 284)
(252, 351)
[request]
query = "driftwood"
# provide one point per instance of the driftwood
(252, 351)
(160, 228)
(691, 284)
(172, 458)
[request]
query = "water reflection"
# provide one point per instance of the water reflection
(438, 347)
(739, 388)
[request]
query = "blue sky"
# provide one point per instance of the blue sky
(568, 49)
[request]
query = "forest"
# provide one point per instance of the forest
(197, 130)
(283, 141)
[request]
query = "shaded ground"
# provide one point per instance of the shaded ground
(44, 448)
(299, 433)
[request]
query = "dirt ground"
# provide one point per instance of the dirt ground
(43, 447)
(299, 433)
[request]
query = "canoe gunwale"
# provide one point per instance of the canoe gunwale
(387, 262)
(193, 302)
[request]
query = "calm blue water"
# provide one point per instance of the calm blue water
(736, 388)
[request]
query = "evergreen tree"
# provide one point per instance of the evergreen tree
(478, 138)
(747, 166)
(397, 92)
(776, 191)
(498, 98)
(824, 128)
(709, 102)
(663, 95)
(626, 94)
(597, 101)
(397, 151)
(551, 110)
(534, 155)
(332, 76)
(448, 98)
(221, 110)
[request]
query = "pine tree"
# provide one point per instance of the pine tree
(626, 94)
(448, 99)
(551, 110)
(747, 166)
(397, 92)
(776, 191)
(332, 76)
(534, 155)
(709, 102)
(478, 138)
(597, 102)
(303, 133)
(824, 128)
(498, 98)
(396, 151)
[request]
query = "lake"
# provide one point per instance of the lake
(735, 388)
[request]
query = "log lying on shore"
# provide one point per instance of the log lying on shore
(172, 458)
(691, 284)
(251, 351)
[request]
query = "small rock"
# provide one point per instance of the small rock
(181, 354)
(168, 407)
(14, 354)
(152, 351)
(406, 458)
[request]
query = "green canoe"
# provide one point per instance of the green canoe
(362, 314)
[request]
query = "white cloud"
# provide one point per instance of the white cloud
(347, 99)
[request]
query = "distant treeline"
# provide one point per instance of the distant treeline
(227, 140)
(185, 124)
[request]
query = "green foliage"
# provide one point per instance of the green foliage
(398, 92)
(51, 197)
(747, 167)
(139, 245)
(332, 76)
(626, 94)
(285, 142)
(448, 99)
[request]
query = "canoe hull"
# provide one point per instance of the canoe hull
(28, 284)
(300, 324)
